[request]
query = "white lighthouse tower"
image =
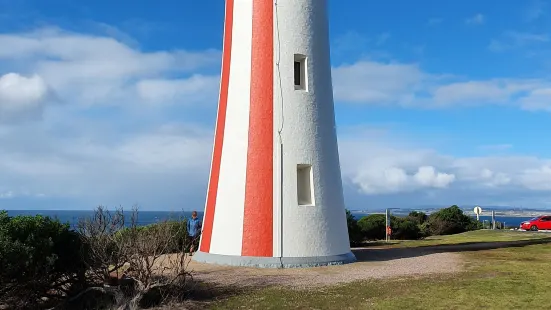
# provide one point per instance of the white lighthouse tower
(275, 192)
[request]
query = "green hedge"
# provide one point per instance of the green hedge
(373, 227)
(36, 252)
(354, 231)
(450, 221)
(416, 225)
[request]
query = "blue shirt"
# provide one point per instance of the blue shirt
(193, 226)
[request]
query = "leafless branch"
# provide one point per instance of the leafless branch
(154, 256)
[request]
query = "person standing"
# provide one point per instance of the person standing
(193, 231)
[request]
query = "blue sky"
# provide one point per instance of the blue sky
(437, 102)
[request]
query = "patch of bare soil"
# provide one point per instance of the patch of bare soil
(372, 264)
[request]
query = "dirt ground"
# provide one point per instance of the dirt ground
(373, 263)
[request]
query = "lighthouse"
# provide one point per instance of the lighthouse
(274, 195)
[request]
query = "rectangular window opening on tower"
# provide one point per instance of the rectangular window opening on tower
(300, 72)
(305, 189)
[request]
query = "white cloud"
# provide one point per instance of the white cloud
(198, 88)
(513, 39)
(380, 163)
(393, 83)
(428, 177)
(481, 92)
(167, 166)
(124, 132)
(386, 180)
(537, 99)
(6, 195)
(377, 167)
(150, 167)
(492, 179)
(471, 91)
(87, 69)
(538, 179)
(21, 96)
(377, 83)
(477, 19)
(535, 10)
(91, 150)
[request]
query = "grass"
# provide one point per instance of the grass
(472, 237)
(504, 278)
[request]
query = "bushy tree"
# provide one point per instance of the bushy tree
(475, 225)
(405, 229)
(425, 230)
(354, 231)
(373, 226)
(45, 264)
(119, 248)
(449, 221)
(418, 217)
(40, 257)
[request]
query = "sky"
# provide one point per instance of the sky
(114, 102)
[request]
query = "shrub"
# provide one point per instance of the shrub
(43, 262)
(40, 258)
(120, 251)
(425, 230)
(476, 225)
(373, 226)
(405, 229)
(449, 221)
(177, 229)
(354, 231)
(418, 217)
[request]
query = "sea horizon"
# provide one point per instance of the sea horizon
(146, 217)
(359, 210)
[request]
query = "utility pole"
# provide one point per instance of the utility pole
(387, 224)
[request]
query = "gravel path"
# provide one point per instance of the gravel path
(373, 263)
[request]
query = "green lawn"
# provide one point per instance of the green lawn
(507, 278)
(474, 236)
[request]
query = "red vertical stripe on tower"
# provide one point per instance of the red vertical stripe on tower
(258, 217)
(219, 134)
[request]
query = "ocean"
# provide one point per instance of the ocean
(508, 220)
(73, 216)
(149, 217)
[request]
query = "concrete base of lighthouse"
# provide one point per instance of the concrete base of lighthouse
(274, 262)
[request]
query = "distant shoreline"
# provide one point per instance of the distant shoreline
(512, 218)
(399, 212)
(501, 213)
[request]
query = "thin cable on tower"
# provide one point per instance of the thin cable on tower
(278, 60)
(280, 129)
